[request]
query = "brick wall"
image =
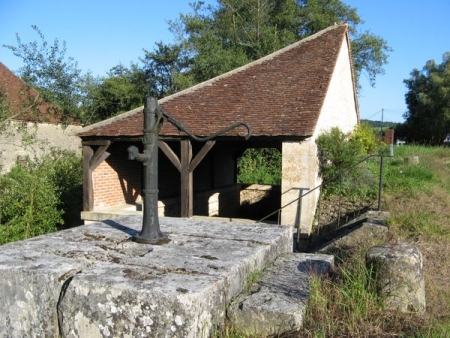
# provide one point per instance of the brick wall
(117, 180)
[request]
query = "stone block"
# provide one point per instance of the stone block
(398, 270)
(362, 230)
(92, 281)
(277, 301)
(411, 160)
(30, 288)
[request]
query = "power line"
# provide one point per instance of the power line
(373, 114)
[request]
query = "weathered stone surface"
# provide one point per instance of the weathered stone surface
(30, 285)
(277, 301)
(100, 284)
(363, 230)
(399, 273)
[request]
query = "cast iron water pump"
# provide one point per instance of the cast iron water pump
(153, 120)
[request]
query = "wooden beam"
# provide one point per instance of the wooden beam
(96, 142)
(170, 154)
(88, 194)
(201, 155)
(187, 194)
(99, 156)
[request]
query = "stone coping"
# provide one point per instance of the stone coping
(92, 281)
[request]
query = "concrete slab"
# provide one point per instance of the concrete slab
(92, 281)
(276, 302)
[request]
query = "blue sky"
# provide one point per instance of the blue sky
(101, 34)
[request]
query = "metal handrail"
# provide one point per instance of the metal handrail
(339, 175)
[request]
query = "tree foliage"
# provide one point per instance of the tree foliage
(161, 68)
(82, 96)
(215, 39)
(428, 102)
(123, 89)
(47, 69)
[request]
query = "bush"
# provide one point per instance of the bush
(365, 140)
(260, 166)
(65, 170)
(34, 198)
(337, 153)
(28, 204)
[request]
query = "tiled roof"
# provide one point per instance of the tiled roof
(278, 95)
(21, 97)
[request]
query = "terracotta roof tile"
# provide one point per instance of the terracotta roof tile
(278, 95)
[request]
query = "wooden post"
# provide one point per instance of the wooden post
(186, 166)
(187, 194)
(91, 161)
(88, 195)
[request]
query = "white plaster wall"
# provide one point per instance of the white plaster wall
(47, 137)
(340, 106)
(300, 164)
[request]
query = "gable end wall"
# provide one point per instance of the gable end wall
(300, 165)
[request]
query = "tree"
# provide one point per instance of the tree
(122, 90)
(161, 68)
(428, 102)
(215, 39)
(47, 69)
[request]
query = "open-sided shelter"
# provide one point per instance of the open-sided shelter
(288, 98)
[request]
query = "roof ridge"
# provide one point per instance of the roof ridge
(217, 78)
(251, 64)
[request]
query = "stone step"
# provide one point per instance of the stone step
(276, 302)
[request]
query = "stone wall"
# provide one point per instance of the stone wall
(48, 136)
(300, 169)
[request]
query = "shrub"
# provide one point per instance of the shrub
(365, 140)
(65, 170)
(260, 166)
(28, 204)
(35, 198)
(337, 154)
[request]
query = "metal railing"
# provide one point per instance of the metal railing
(324, 183)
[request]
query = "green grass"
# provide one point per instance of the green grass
(351, 294)
(418, 199)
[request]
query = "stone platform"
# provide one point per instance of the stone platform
(92, 281)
